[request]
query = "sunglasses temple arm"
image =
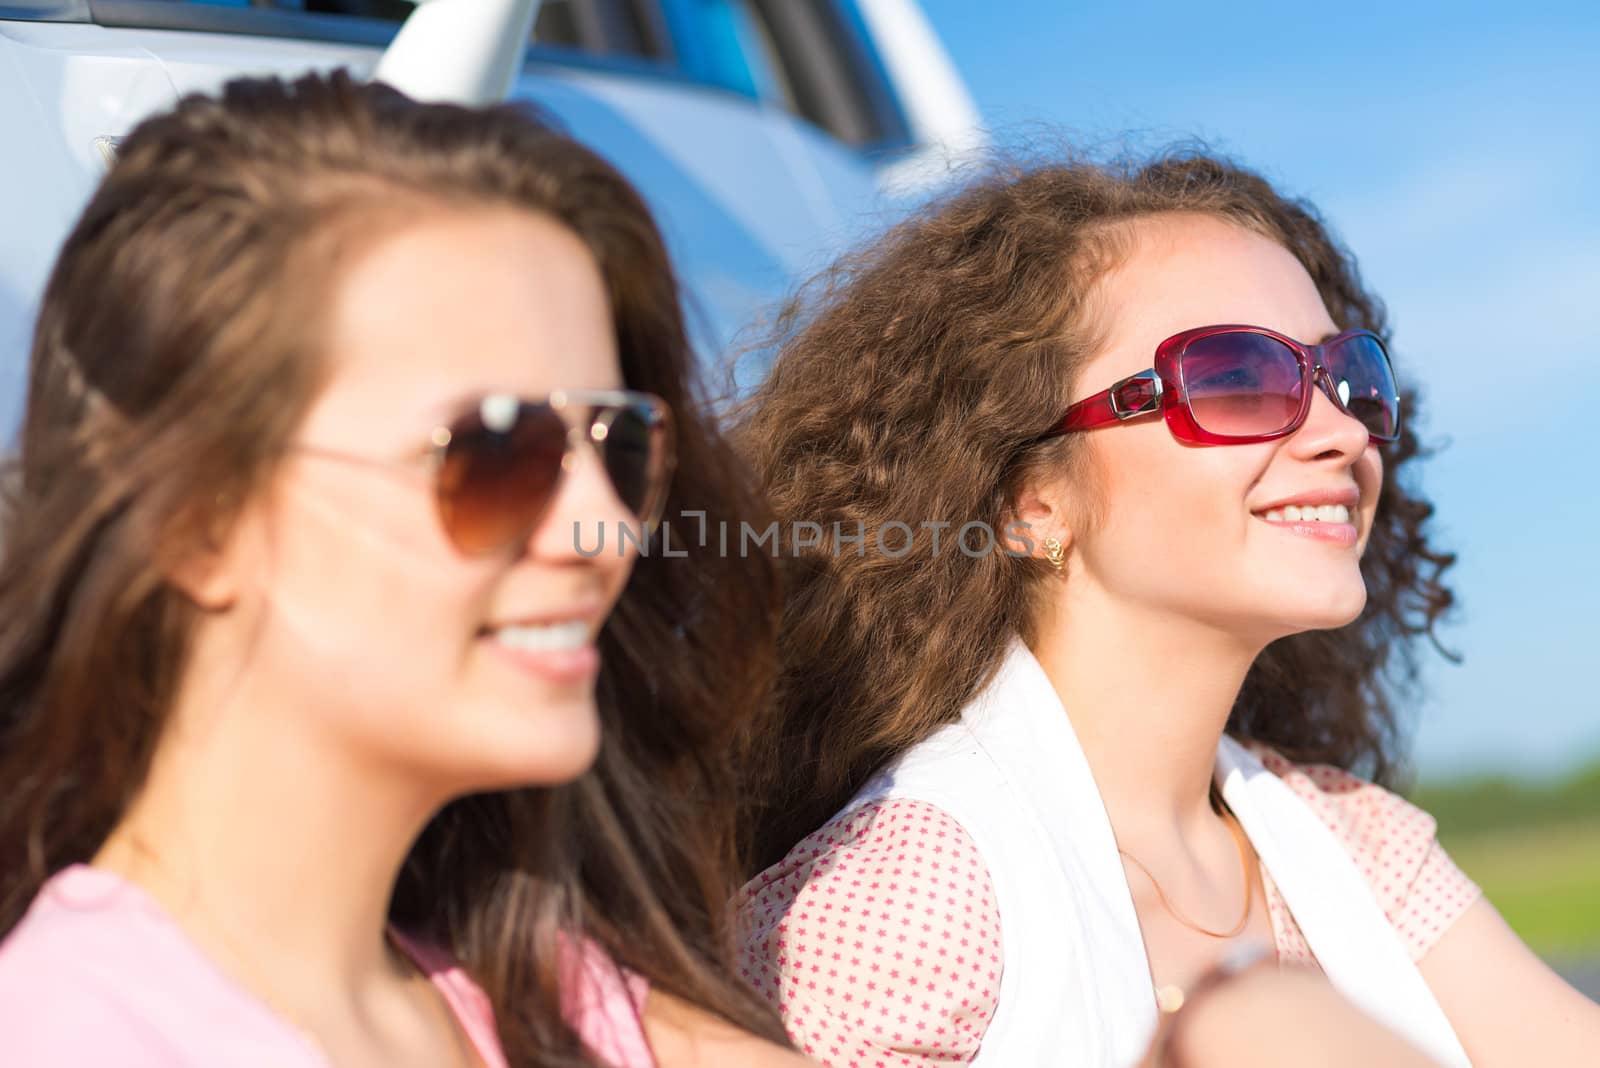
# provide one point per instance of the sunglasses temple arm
(1138, 394)
(1087, 414)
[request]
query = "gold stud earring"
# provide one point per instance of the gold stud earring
(1055, 552)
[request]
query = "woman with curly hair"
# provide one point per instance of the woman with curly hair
(1107, 577)
(325, 737)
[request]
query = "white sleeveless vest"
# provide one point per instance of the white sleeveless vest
(1075, 981)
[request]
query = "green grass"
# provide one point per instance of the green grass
(1487, 803)
(1535, 850)
(1544, 880)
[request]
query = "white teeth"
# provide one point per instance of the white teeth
(1324, 513)
(545, 637)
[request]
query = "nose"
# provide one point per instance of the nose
(1329, 429)
(586, 521)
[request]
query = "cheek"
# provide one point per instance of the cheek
(1169, 513)
(1369, 475)
(374, 604)
(372, 628)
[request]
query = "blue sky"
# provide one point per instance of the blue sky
(1456, 148)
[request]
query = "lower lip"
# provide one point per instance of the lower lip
(1338, 533)
(562, 666)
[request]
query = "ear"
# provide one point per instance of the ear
(204, 579)
(208, 560)
(1040, 512)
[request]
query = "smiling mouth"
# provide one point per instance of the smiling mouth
(1332, 524)
(562, 652)
(1322, 513)
(542, 637)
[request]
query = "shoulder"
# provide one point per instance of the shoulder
(1393, 842)
(50, 973)
(1365, 816)
(90, 975)
(66, 1016)
(878, 932)
(85, 935)
(468, 1002)
(604, 1004)
(601, 1000)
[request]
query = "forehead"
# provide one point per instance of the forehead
(1183, 271)
(463, 302)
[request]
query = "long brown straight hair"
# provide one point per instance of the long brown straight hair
(177, 349)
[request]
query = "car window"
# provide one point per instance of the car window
(811, 58)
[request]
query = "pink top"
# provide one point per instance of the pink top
(878, 937)
(98, 973)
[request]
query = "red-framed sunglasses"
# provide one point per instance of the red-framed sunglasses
(497, 467)
(1234, 385)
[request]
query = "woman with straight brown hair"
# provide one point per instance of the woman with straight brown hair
(326, 735)
(1116, 571)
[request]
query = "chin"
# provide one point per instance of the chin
(1277, 611)
(1337, 611)
(553, 745)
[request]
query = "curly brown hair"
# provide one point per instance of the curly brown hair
(179, 344)
(915, 378)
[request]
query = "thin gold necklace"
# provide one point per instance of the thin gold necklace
(1244, 861)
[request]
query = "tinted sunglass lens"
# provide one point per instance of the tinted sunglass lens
(1361, 374)
(1241, 384)
(500, 471)
(635, 449)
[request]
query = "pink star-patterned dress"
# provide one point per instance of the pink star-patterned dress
(878, 937)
